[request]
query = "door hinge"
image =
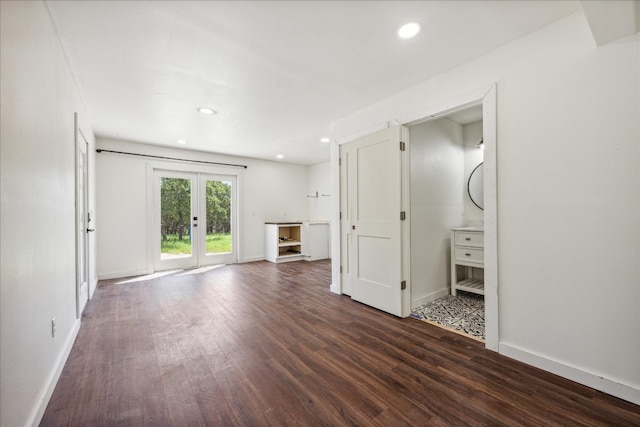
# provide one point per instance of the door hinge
(340, 269)
(403, 215)
(402, 145)
(403, 285)
(340, 161)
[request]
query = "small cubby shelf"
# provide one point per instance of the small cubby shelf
(283, 241)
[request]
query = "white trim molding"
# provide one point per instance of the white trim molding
(429, 297)
(121, 274)
(615, 388)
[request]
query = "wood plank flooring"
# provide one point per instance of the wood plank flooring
(268, 344)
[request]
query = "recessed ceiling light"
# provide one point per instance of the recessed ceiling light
(409, 30)
(181, 141)
(325, 139)
(279, 156)
(205, 110)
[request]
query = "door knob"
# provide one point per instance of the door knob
(353, 227)
(89, 230)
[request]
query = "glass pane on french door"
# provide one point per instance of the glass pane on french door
(176, 207)
(175, 218)
(218, 216)
(218, 219)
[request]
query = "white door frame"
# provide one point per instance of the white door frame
(216, 171)
(486, 97)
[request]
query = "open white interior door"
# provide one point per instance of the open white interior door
(82, 221)
(372, 226)
(345, 220)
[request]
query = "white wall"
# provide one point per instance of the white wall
(568, 200)
(437, 184)
(38, 99)
(473, 156)
(320, 181)
(269, 190)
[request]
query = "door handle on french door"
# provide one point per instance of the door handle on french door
(195, 225)
(353, 227)
(89, 230)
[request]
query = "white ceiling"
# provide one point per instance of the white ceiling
(278, 72)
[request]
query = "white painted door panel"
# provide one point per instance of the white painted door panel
(374, 200)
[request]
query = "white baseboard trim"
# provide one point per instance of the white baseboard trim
(45, 395)
(429, 297)
(615, 388)
(121, 274)
(335, 289)
(253, 259)
(93, 286)
(144, 272)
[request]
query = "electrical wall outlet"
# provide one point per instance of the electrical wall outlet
(53, 327)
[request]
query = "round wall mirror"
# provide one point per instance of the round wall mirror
(475, 186)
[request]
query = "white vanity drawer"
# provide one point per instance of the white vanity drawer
(464, 238)
(469, 254)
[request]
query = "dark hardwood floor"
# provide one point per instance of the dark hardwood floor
(265, 344)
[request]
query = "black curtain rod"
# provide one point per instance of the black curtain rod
(99, 150)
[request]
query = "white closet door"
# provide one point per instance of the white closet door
(374, 180)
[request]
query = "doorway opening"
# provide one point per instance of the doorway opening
(447, 241)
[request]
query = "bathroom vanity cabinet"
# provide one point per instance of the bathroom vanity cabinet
(467, 258)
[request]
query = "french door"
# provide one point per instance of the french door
(195, 219)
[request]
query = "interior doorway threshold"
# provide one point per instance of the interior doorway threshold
(462, 314)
